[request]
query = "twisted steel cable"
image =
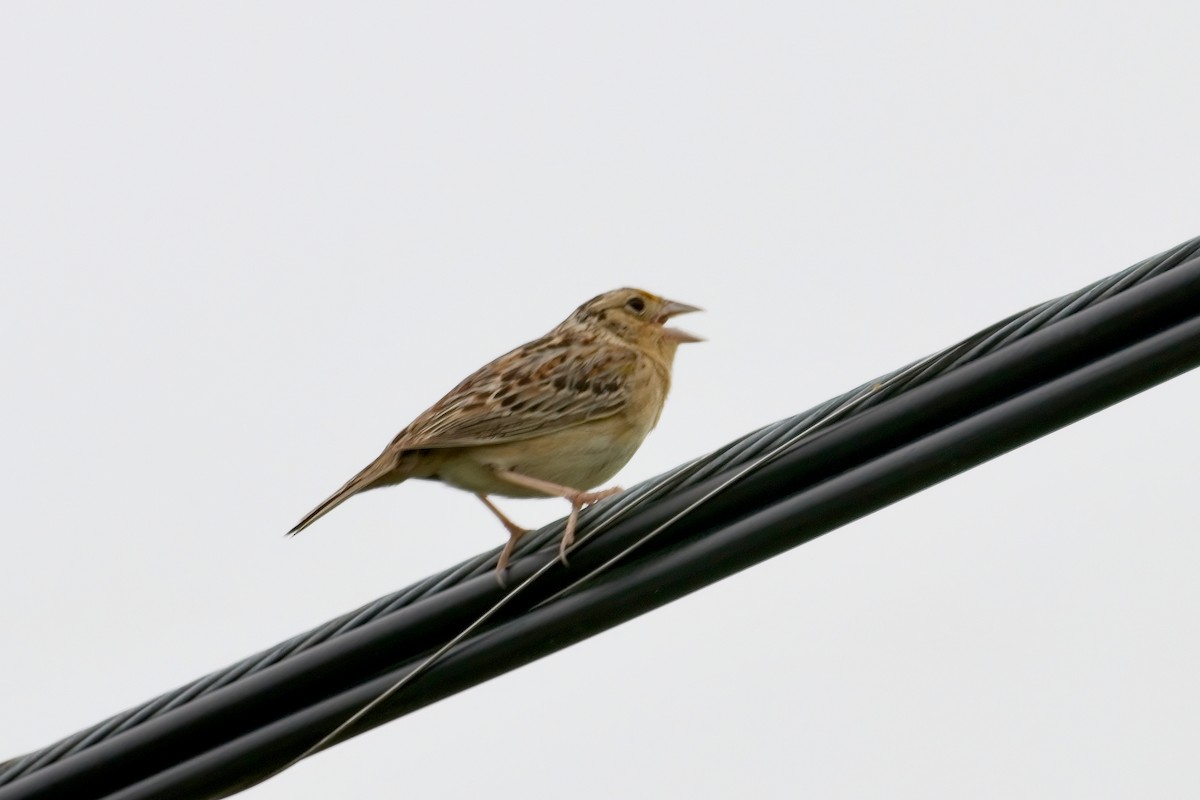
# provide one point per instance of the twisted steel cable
(740, 452)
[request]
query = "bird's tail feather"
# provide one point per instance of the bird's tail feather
(381, 471)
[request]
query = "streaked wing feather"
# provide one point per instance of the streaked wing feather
(542, 387)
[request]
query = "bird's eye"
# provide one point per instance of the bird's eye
(637, 304)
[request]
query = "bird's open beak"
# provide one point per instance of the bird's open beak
(674, 309)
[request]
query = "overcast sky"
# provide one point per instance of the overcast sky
(243, 244)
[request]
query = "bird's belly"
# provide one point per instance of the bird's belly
(581, 457)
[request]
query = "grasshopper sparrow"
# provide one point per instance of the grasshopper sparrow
(553, 418)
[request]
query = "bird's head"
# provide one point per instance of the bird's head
(636, 316)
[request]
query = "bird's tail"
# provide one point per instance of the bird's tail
(383, 471)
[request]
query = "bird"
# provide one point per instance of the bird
(555, 417)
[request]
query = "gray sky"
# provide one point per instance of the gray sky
(243, 244)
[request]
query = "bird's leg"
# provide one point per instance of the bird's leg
(515, 532)
(577, 498)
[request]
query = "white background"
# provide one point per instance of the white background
(242, 244)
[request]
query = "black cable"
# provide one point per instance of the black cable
(736, 453)
(275, 702)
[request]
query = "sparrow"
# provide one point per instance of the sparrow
(555, 417)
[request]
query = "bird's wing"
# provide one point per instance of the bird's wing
(542, 387)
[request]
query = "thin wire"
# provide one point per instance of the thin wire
(594, 531)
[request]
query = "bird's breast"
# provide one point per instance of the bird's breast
(580, 457)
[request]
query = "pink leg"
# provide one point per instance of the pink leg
(576, 497)
(515, 532)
